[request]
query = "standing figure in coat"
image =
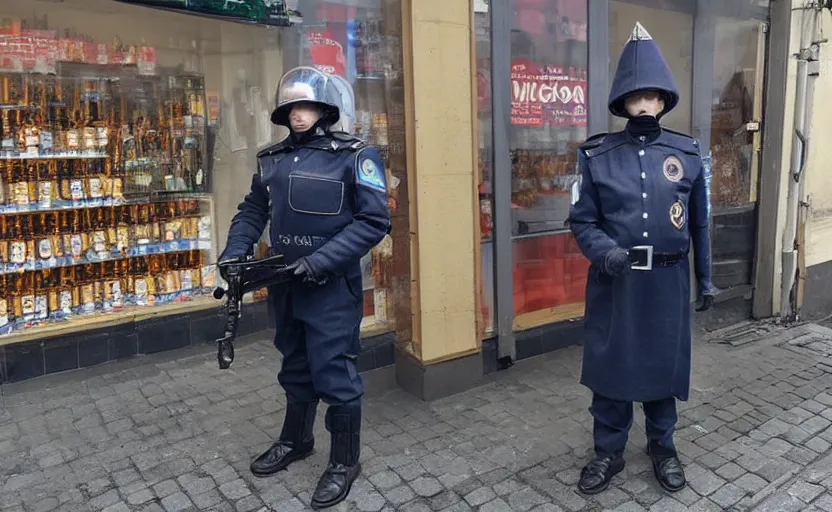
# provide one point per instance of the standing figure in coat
(325, 196)
(643, 203)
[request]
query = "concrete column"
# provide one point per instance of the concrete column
(444, 356)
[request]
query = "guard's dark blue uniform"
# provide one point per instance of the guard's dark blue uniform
(639, 191)
(327, 201)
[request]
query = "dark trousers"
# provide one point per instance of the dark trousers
(613, 419)
(317, 332)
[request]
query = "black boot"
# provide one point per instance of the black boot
(296, 440)
(667, 469)
(344, 424)
(596, 476)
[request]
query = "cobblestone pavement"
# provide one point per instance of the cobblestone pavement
(172, 435)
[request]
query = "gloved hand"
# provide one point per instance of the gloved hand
(707, 302)
(617, 261)
(301, 268)
(225, 260)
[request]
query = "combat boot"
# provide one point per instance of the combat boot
(344, 425)
(296, 441)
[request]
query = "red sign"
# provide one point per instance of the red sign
(547, 95)
(327, 54)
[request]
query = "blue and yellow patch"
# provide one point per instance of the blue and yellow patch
(370, 174)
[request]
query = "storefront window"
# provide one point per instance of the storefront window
(129, 136)
(672, 29)
(482, 27)
(737, 110)
(363, 46)
(548, 124)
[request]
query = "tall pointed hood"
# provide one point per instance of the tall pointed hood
(642, 67)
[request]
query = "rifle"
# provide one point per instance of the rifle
(243, 277)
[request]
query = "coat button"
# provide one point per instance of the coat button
(644, 176)
(644, 195)
(641, 152)
(644, 215)
(644, 234)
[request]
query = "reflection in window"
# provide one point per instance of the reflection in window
(737, 69)
(362, 45)
(548, 125)
(482, 28)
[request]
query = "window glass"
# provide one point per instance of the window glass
(129, 137)
(548, 124)
(482, 27)
(361, 42)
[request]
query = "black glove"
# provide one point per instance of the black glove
(707, 302)
(226, 260)
(301, 268)
(617, 261)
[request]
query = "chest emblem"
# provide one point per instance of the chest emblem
(677, 215)
(673, 170)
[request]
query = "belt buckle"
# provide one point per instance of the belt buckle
(641, 257)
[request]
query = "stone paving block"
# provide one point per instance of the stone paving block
(706, 483)
(480, 496)
(805, 491)
(526, 499)
(668, 504)
(728, 495)
(444, 500)
(630, 506)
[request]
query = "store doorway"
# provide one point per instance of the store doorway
(735, 143)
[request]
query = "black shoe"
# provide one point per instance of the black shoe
(669, 472)
(596, 476)
(344, 423)
(296, 441)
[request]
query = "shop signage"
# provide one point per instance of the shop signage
(327, 53)
(261, 12)
(547, 95)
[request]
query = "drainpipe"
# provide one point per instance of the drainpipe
(807, 65)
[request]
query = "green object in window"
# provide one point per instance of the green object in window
(262, 12)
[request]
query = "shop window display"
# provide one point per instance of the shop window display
(120, 125)
(548, 125)
(362, 46)
(482, 27)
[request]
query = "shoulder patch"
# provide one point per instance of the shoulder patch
(369, 172)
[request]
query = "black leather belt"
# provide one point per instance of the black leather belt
(643, 258)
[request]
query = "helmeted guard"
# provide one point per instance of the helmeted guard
(643, 204)
(325, 195)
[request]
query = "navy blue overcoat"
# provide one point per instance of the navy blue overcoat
(639, 192)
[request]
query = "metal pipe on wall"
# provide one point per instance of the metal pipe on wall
(807, 60)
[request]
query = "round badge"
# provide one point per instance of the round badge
(368, 168)
(672, 169)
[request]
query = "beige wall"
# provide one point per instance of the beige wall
(818, 186)
(443, 184)
(819, 171)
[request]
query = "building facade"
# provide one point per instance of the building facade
(478, 109)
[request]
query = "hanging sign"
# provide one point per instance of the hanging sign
(260, 12)
(547, 95)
